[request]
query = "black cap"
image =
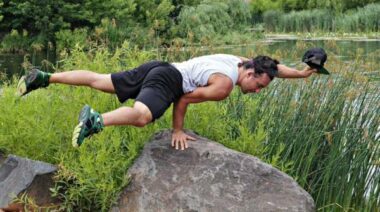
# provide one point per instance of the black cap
(316, 58)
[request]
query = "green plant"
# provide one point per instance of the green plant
(67, 39)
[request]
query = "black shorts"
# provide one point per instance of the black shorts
(156, 84)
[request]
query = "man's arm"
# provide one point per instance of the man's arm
(218, 89)
(287, 72)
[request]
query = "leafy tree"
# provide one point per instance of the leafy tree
(44, 17)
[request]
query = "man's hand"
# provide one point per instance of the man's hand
(287, 72)
(179, 138)
(308, 71)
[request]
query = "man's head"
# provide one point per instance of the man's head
(257, 73)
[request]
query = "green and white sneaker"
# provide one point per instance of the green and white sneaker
(33, 80)
(90, 122)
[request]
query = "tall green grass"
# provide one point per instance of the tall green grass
(321, 131)
(329, 129)
(364, 19)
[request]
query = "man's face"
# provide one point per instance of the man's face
(253, 83)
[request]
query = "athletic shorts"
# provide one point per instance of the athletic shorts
(156, 84)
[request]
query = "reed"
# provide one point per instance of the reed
(322, 20)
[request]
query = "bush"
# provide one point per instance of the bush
(210, 18)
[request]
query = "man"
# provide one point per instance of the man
(155, 85)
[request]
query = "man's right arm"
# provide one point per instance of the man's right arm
(179, 111)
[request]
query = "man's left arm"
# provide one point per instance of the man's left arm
(287, 72)
(218, 89)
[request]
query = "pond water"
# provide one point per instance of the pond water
(11, 64)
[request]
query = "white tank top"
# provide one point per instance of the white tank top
(196, 72)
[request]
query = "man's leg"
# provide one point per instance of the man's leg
(91, 122)
(94, 80)
(36, 79)
(138, 116)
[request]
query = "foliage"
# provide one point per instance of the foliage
(157, 23)
(364, 19)
(305, 21)
(210, 18)
(46, 18)
(272, 18)
(16, 41)
(142, 22)
(67, 39)
(204, 21)
(261, 6)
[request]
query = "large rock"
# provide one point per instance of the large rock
(207, 177)
(21, 174)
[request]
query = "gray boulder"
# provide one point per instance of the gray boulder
(21, 174)
(207, 177)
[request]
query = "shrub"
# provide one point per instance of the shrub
(210, 18)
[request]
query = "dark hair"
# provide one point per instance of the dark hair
(262, 64)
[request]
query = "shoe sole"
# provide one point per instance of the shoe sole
(83, 117)
(21, 85)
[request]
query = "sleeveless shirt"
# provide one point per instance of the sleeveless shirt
(196, 72)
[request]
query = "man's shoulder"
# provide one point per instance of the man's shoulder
(221, 79)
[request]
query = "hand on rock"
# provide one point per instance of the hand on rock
(179, 139)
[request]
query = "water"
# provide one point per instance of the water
(346, 50)
(11, 64)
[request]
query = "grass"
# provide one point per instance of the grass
(321, 131)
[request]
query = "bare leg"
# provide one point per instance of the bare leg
(138, 116)
(84, 78)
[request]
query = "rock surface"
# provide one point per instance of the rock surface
(207, 177)
(20, 174)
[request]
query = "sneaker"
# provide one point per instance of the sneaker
(90, 122)
(33, 80)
